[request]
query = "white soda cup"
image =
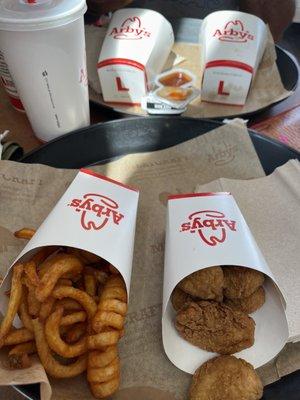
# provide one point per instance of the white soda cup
(233, 43)
(44, 47)
(134, 51)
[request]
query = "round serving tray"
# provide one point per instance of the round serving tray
(103, 142)
(187, 30)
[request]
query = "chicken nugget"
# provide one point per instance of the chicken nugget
(248, 304)
(226, 377)
(206, 284)
(241, 282)
(179, 298)
(215, 327)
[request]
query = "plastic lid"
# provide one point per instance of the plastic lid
(31, 15)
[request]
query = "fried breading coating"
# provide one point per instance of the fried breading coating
(179, 298)
(81, 297)
(103, 372)
(241, 282)
(31, 272)
(19, 361)
(56, 343)
(99, 359)
(55, 297)
(112, 307)
(51, 365)
(24, 233)
(23, 348)
(226, 378)
(90, 284)
(34, 304)
(207, 284)
(75, 332)
(24, 312)
(17, 336)
(61, 265)
(18, 356)
(215, 327)
(248, 304)
(85, 256)
(14, 301)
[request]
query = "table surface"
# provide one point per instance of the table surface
(21, 131)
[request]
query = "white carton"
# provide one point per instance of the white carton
(134, 51)
(204, 230)
(95, 214)
(233, 43)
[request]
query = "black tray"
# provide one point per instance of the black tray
(109, 140)
(105, 141)
(187, 30)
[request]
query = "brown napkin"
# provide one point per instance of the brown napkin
(271, 207)
(28, 193)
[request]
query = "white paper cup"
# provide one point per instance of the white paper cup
(205, 230)
(134, 51)
(233, 43)
(44, 47)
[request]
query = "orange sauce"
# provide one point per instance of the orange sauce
(174, 93)
(175, 79)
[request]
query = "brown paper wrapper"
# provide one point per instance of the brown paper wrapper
(269, 206)
(270, 224)
(266, 87)
(28, 193)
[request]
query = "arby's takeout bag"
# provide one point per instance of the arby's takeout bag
(205, 230)
(233, 44)
(134, 51)
(96, 214)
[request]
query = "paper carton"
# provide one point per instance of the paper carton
(204, 230)
(96, 214)
(233, 43)
(134, 51)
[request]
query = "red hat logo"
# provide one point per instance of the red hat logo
(210, 225)
(96, 211)
(130, 29)
(233, 31)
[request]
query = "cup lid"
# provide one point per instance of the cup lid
(30, 15)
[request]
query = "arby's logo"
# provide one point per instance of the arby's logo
(233, 31)
(131, 29)
(97, 211)
(211, 226)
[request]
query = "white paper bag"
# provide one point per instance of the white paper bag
(233, 44)
(205, 230)
(96, 214)
(135, 49)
